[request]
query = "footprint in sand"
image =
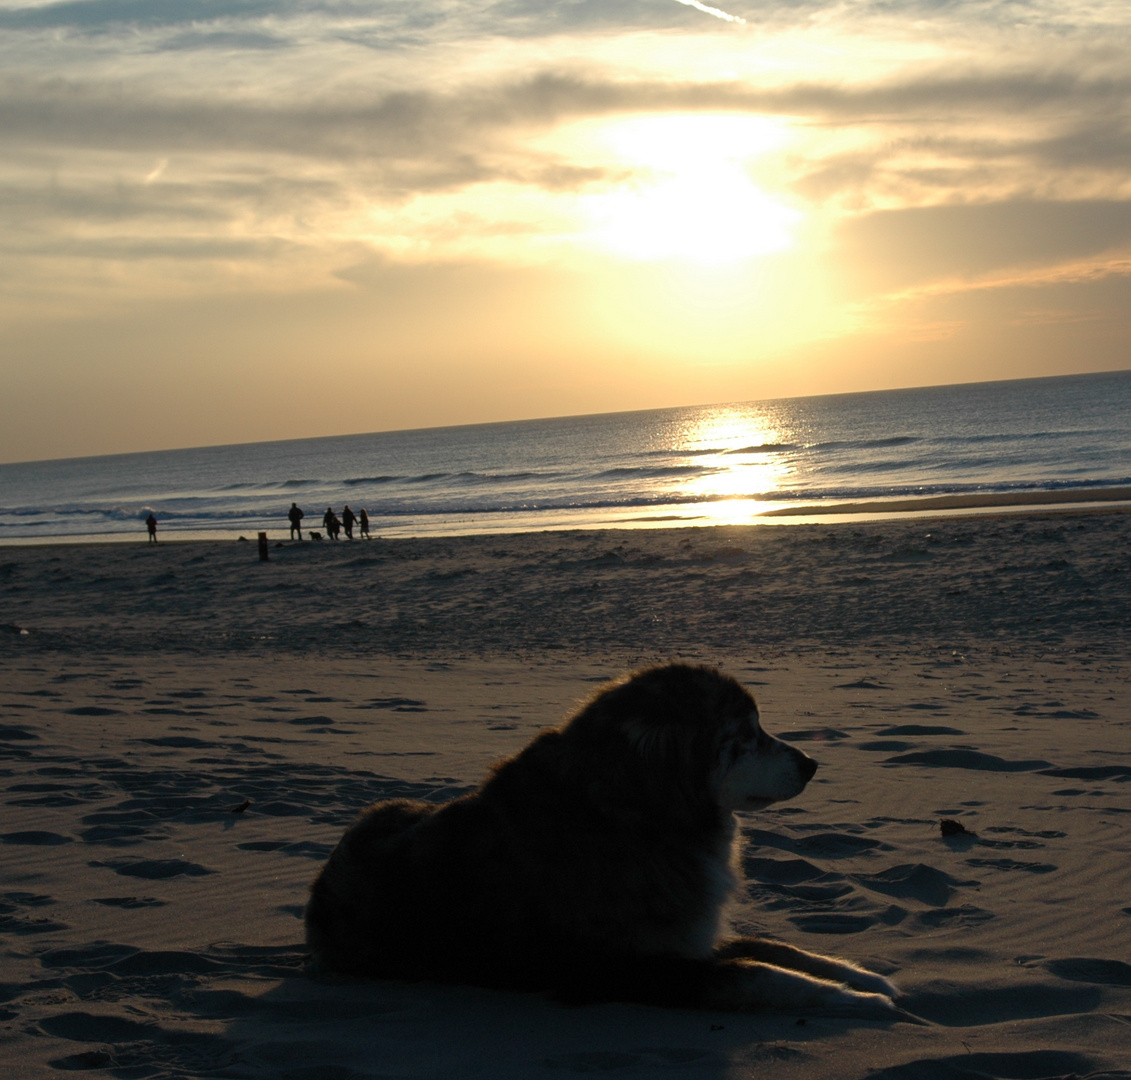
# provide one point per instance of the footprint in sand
(914, 881)
(1089, 970)
(1097, 772)
(181, 742)
(1014, 864)
(154, 869)
(14, 917)
(833, 922)
(396, 704)
(34, 838)
(996, 1066)
(830, 845)
(308, 848)
(129, 902)
(964, 915)
(764, 871)
(966, 759)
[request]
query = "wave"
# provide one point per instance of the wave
(504, 478)
(764, 448)
(466, 477)
(131, 514)
(427, 478)
(1019, 436)
(656, 472)
(452, 502)
(866, 444)
(669, 453)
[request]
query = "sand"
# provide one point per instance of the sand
(185, 732)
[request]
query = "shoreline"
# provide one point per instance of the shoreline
(727, 514)
(972, 501)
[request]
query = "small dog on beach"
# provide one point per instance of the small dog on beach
(594, 864)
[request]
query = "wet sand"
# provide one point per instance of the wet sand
(998, 500)
(186, 731)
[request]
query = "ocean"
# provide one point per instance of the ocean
(697, 465)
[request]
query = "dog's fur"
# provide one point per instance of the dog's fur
(594, 864)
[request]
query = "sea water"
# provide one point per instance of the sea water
(703, 464)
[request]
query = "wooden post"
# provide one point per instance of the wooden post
(263, 556)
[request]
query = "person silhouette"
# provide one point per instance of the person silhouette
(333, 525)
(348, 519)
(296, 516)
(363, 521)
(151, 525)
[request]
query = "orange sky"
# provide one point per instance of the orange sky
(247, 220)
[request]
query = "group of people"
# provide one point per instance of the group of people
(332, 523)
(330, 520)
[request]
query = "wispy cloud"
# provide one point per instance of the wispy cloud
(707, 10)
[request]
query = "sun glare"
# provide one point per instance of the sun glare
(689, 192)
(743, 452)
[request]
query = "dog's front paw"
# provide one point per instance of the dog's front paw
(871, 983)
(879, 1006)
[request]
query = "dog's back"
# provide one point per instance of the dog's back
(351, 896)
(558, 864)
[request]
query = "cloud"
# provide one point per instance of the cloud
(103, 15)
(716, 12)
(899, 249)
(76, 112)
(361, 20)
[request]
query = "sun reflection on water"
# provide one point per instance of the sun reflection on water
(742, 453)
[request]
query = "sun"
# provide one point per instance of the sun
(688, 191)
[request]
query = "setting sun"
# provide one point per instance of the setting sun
(689, 192)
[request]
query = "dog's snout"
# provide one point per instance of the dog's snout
(806, 766)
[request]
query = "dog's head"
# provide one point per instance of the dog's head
(755, 769)
(697, 729)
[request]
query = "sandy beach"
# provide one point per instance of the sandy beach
(186, 731)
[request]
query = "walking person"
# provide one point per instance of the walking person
(296, 516)
(363, 521)
(151, 525)
(348, 519)
(333, 525)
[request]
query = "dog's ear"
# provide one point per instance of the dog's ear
(650, 741)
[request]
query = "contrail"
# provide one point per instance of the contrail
(711, 11)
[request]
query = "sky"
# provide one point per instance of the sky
(239, 220)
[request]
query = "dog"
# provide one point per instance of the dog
(595, 864)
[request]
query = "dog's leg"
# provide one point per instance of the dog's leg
(727, 985)
(793, 959)
(750, 985)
